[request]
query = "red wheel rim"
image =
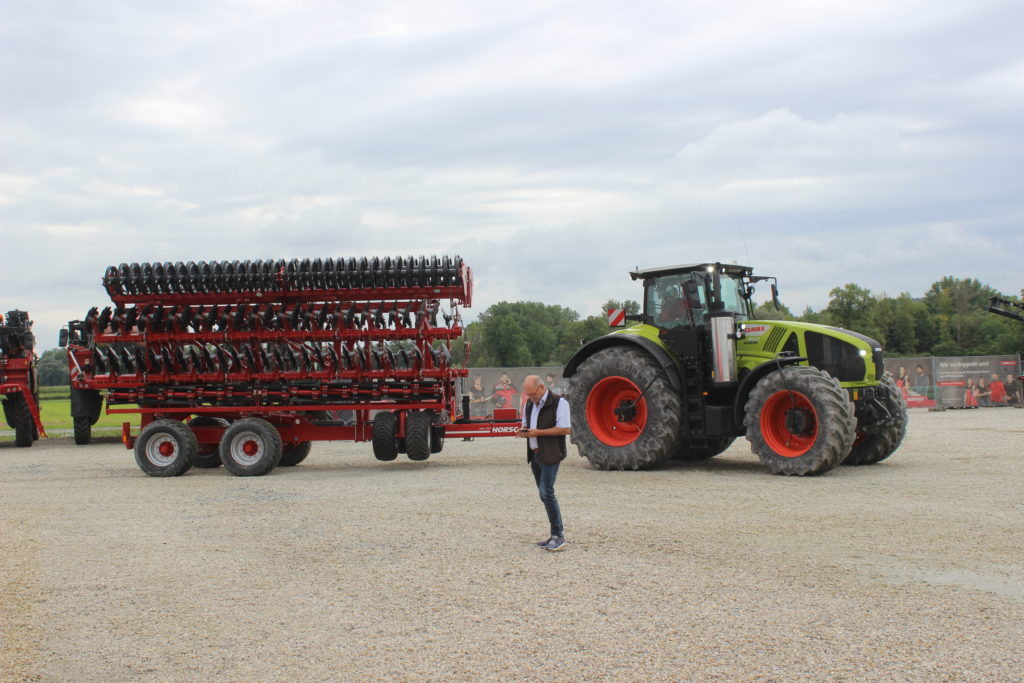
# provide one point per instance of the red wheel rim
(777, 433)
(604, 398)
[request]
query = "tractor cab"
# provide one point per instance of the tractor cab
(687, 296)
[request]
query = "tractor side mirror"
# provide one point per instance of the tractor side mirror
(775, 297)
(63, 338)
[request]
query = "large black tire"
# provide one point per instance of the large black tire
(385, 426)
(295, 453)
(83, 430)
(714, 447)
(250, 447)
(872, 448)
(613, 378)
(24, 425)
(437, 433)
(165, 448)
(207, 455)
(417, 434)
(800, 421)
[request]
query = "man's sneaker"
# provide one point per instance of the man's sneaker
(545, 541)
(556, 543)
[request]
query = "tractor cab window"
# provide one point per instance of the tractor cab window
(733, 296)
(667, 305)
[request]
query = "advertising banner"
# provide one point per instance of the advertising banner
(957, 381)
(490, 388)
(914, 377)
(978, 381)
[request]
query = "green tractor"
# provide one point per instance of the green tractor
(697, 372)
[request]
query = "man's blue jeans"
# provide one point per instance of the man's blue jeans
(545, 475)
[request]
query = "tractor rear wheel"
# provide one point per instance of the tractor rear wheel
(385, 426)
(250, 447)
(872, 448)
(295, 453)
(165, 448)
(24, 425)
(417, 435)
(714, 447)
(800, 421)
(83, 430)
(626, 416)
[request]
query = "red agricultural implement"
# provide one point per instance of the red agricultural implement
(246, 363)
(18, 382)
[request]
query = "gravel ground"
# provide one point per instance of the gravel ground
(346, 568)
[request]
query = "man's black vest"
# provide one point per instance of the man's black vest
(551, 449)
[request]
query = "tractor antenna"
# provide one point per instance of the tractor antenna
(745, 251)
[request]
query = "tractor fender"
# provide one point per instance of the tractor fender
(752, 378)
(660, 355)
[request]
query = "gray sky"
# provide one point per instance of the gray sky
(553, 145)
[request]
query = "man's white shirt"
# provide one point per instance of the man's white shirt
(561, 415)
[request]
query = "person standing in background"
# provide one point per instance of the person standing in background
(1013, 390)
(997, 392)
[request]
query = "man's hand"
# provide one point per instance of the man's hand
(525, 433)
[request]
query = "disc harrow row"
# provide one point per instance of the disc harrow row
(204, 277)
(269, 317)
(277, 394)
(264, 360)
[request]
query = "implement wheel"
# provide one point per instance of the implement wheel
(165, 448)
(24, 425)
(83, 430)
(616, 428)
(293, 454)
(385, 426)
(417, 435)
(869, 449)
(800, 421)
(250, 447)
(207, 454)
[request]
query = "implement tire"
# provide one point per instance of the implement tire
(417, 435)
(613, 378)
(873, 448)
(165, 448)
(83, 430)
(800, 421)
(385, 426)
(207, 455)
(714, 447)
(24, 425)
(293, 454)
(250, 447)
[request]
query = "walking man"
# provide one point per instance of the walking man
(545, 424)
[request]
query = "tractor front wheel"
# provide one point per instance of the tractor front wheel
(800, 421)
(626, 414)
(869, 449)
